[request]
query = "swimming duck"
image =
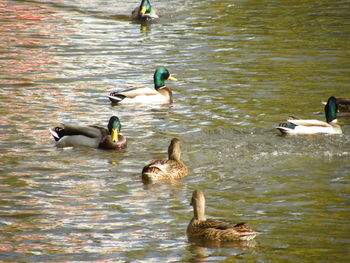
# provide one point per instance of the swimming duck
(173, 168)
(144, 12)
(343, 104)
(217, 230)
(70, 135)
(296, 126)
(160, 94)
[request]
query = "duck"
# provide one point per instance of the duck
(298, 126)
(161, 94)
(144, 12)
(72, 135)
(214, 230)
(343, 104)
(162, 170)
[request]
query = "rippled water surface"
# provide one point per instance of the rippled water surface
(243, 66)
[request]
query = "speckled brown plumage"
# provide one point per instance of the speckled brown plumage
(343, 104)
(218, 230)
(170, 169)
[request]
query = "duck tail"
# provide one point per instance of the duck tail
(116, 97)
(246, 233)
(54, 134)
(286, 127)
(57, 133)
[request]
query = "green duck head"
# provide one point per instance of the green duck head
(114, 127)
(331, 109)
(160, 76)
(145, 7)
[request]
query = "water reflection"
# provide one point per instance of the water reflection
(27, 35)
(244, 66)
(212, 251)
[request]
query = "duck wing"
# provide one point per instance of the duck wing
(226, 230)
(163, 170)
(310, 123)
(219, 224)
(156, 167)
(88, 131)
(131, 93)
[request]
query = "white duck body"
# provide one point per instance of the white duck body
(143, 95)
(309, 127)
(296, 126)
(160, 94)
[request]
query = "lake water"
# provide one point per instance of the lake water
(243, 66)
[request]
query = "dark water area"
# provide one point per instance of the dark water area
(242, 67)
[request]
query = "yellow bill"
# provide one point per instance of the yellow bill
(143, 10)
(114, 135)
(172, 78)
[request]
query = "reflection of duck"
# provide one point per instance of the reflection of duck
(144, 12)
(170, 169)
(296, 126)
(217, 230)
(160, 94)
(69, 135)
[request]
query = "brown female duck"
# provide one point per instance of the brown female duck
(216, 230)
(173, 168)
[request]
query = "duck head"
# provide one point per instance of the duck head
(114, 127)
(160, 76)
(145, 8)
(331, 109)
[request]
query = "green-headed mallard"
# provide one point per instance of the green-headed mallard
(296, 126)
(144, 12)
(70, 135)
(170, 169)
(217, 230)
(161, 94)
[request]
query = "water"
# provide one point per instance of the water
(243, 66)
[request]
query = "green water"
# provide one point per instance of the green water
(243, 66)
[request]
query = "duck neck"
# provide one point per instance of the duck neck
(199, 211)
(174, 153)
(331, 110)
(158, 82)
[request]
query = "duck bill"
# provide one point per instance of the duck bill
(172, 78)
(114, 135)
(143, 10)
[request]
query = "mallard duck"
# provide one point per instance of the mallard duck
(160, 94)
(217, 230)
(173, 168)
(296, 126)
(70, 135)
(144, 12)
(343, 104)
